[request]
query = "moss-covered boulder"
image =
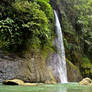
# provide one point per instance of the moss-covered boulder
(73, 72)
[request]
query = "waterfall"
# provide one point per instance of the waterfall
(60, 50)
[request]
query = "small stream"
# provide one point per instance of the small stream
(68, 87)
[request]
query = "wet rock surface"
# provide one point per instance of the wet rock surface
(9, 67)
(52, 63)
(73, 72)
(31, 69)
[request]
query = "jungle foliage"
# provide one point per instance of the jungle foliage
(76, 21)
(29, 25)
(26, 25)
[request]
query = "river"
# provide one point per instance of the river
(69, 87)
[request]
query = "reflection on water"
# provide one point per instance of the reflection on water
(80, 90)
(47, 88)
(56, 90)
(67, 90)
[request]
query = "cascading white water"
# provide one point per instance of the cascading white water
(61, 52)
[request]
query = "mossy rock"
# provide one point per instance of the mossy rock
(73, 72)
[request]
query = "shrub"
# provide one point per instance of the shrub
(46, 7)
(9, 34)
(26, 27)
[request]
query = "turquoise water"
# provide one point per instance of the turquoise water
(70, 87)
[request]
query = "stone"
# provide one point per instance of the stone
(50, 82)
(15, 67)
(86, 81)
(13, 82)
(18, 82)
(74, 71)
(30, 84)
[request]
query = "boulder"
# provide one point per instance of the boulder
(86, 81)
(18, 82)
(30, 84)
(13, 82)
(50, 82)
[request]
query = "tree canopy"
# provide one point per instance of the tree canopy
(25, 24)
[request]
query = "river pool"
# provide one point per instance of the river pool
(69, 87)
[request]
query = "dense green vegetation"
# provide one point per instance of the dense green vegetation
(76, 22)
(85, 20)
(26, 25)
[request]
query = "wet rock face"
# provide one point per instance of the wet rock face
(73, 73)
(9, 68)
(31, 69)
(52, 63)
